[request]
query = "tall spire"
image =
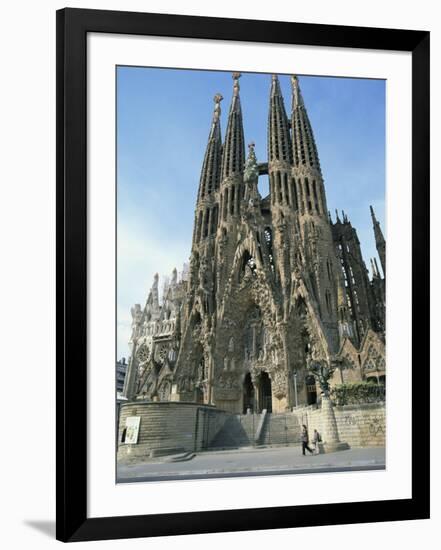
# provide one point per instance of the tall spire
(279, 139)
(233, 157)
(304, 147)
(380, 241)
(210, 173)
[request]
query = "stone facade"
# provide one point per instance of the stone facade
(273, 285)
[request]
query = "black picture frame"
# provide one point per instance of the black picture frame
(72, 28)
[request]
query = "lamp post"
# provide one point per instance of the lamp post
(295, 387)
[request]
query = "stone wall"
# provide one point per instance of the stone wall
(167, 427)
(362, 425)
(358, 425)
(172, 427)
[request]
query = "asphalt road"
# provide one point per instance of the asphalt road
(267, 461)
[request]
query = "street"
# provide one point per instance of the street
(252, 461)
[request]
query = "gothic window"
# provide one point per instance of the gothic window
(232, 200)
(199, 227)
(308, 190)
(294, 189)
(314, 189)
(143, 353)
(196, 319)
(355, 297)
(279, 187)
(269, 243)
(285, 180)
(247, 262)
(344, 274)
(202, 370)
(352, 275)
(328, 302)
(205, 233)
(328, 265)
(214, 219)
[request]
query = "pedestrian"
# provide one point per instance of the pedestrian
(305, 440)
(316, 438)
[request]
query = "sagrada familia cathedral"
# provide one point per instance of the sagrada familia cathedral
(274, 286)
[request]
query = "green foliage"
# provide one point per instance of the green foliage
(361, 392)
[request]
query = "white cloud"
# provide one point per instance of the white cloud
(141, 254)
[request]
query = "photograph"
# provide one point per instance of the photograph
(251, 274)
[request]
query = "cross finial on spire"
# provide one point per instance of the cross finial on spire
(236, 86)
(296, 93)
(275, 86)
(217, 109)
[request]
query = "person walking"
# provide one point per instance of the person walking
(305, 440)
(316, 438)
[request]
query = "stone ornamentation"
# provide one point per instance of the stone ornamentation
(275, 291)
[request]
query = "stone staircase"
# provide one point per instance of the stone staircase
(240, 430)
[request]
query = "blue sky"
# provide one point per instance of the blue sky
(163, 120)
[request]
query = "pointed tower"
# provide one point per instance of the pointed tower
(355, 276)
(233, 157)
(321, 264)
(380, 241)
(282, 195)
(231, 189)
(279, 150)
(207, 209)
(307, 171)
(377, 298)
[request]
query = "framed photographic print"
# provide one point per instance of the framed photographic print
(225, 192)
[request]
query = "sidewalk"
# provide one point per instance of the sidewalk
(253, 461)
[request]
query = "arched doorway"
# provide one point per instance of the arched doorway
(311, 390)
(248, 394)
(266, 399)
